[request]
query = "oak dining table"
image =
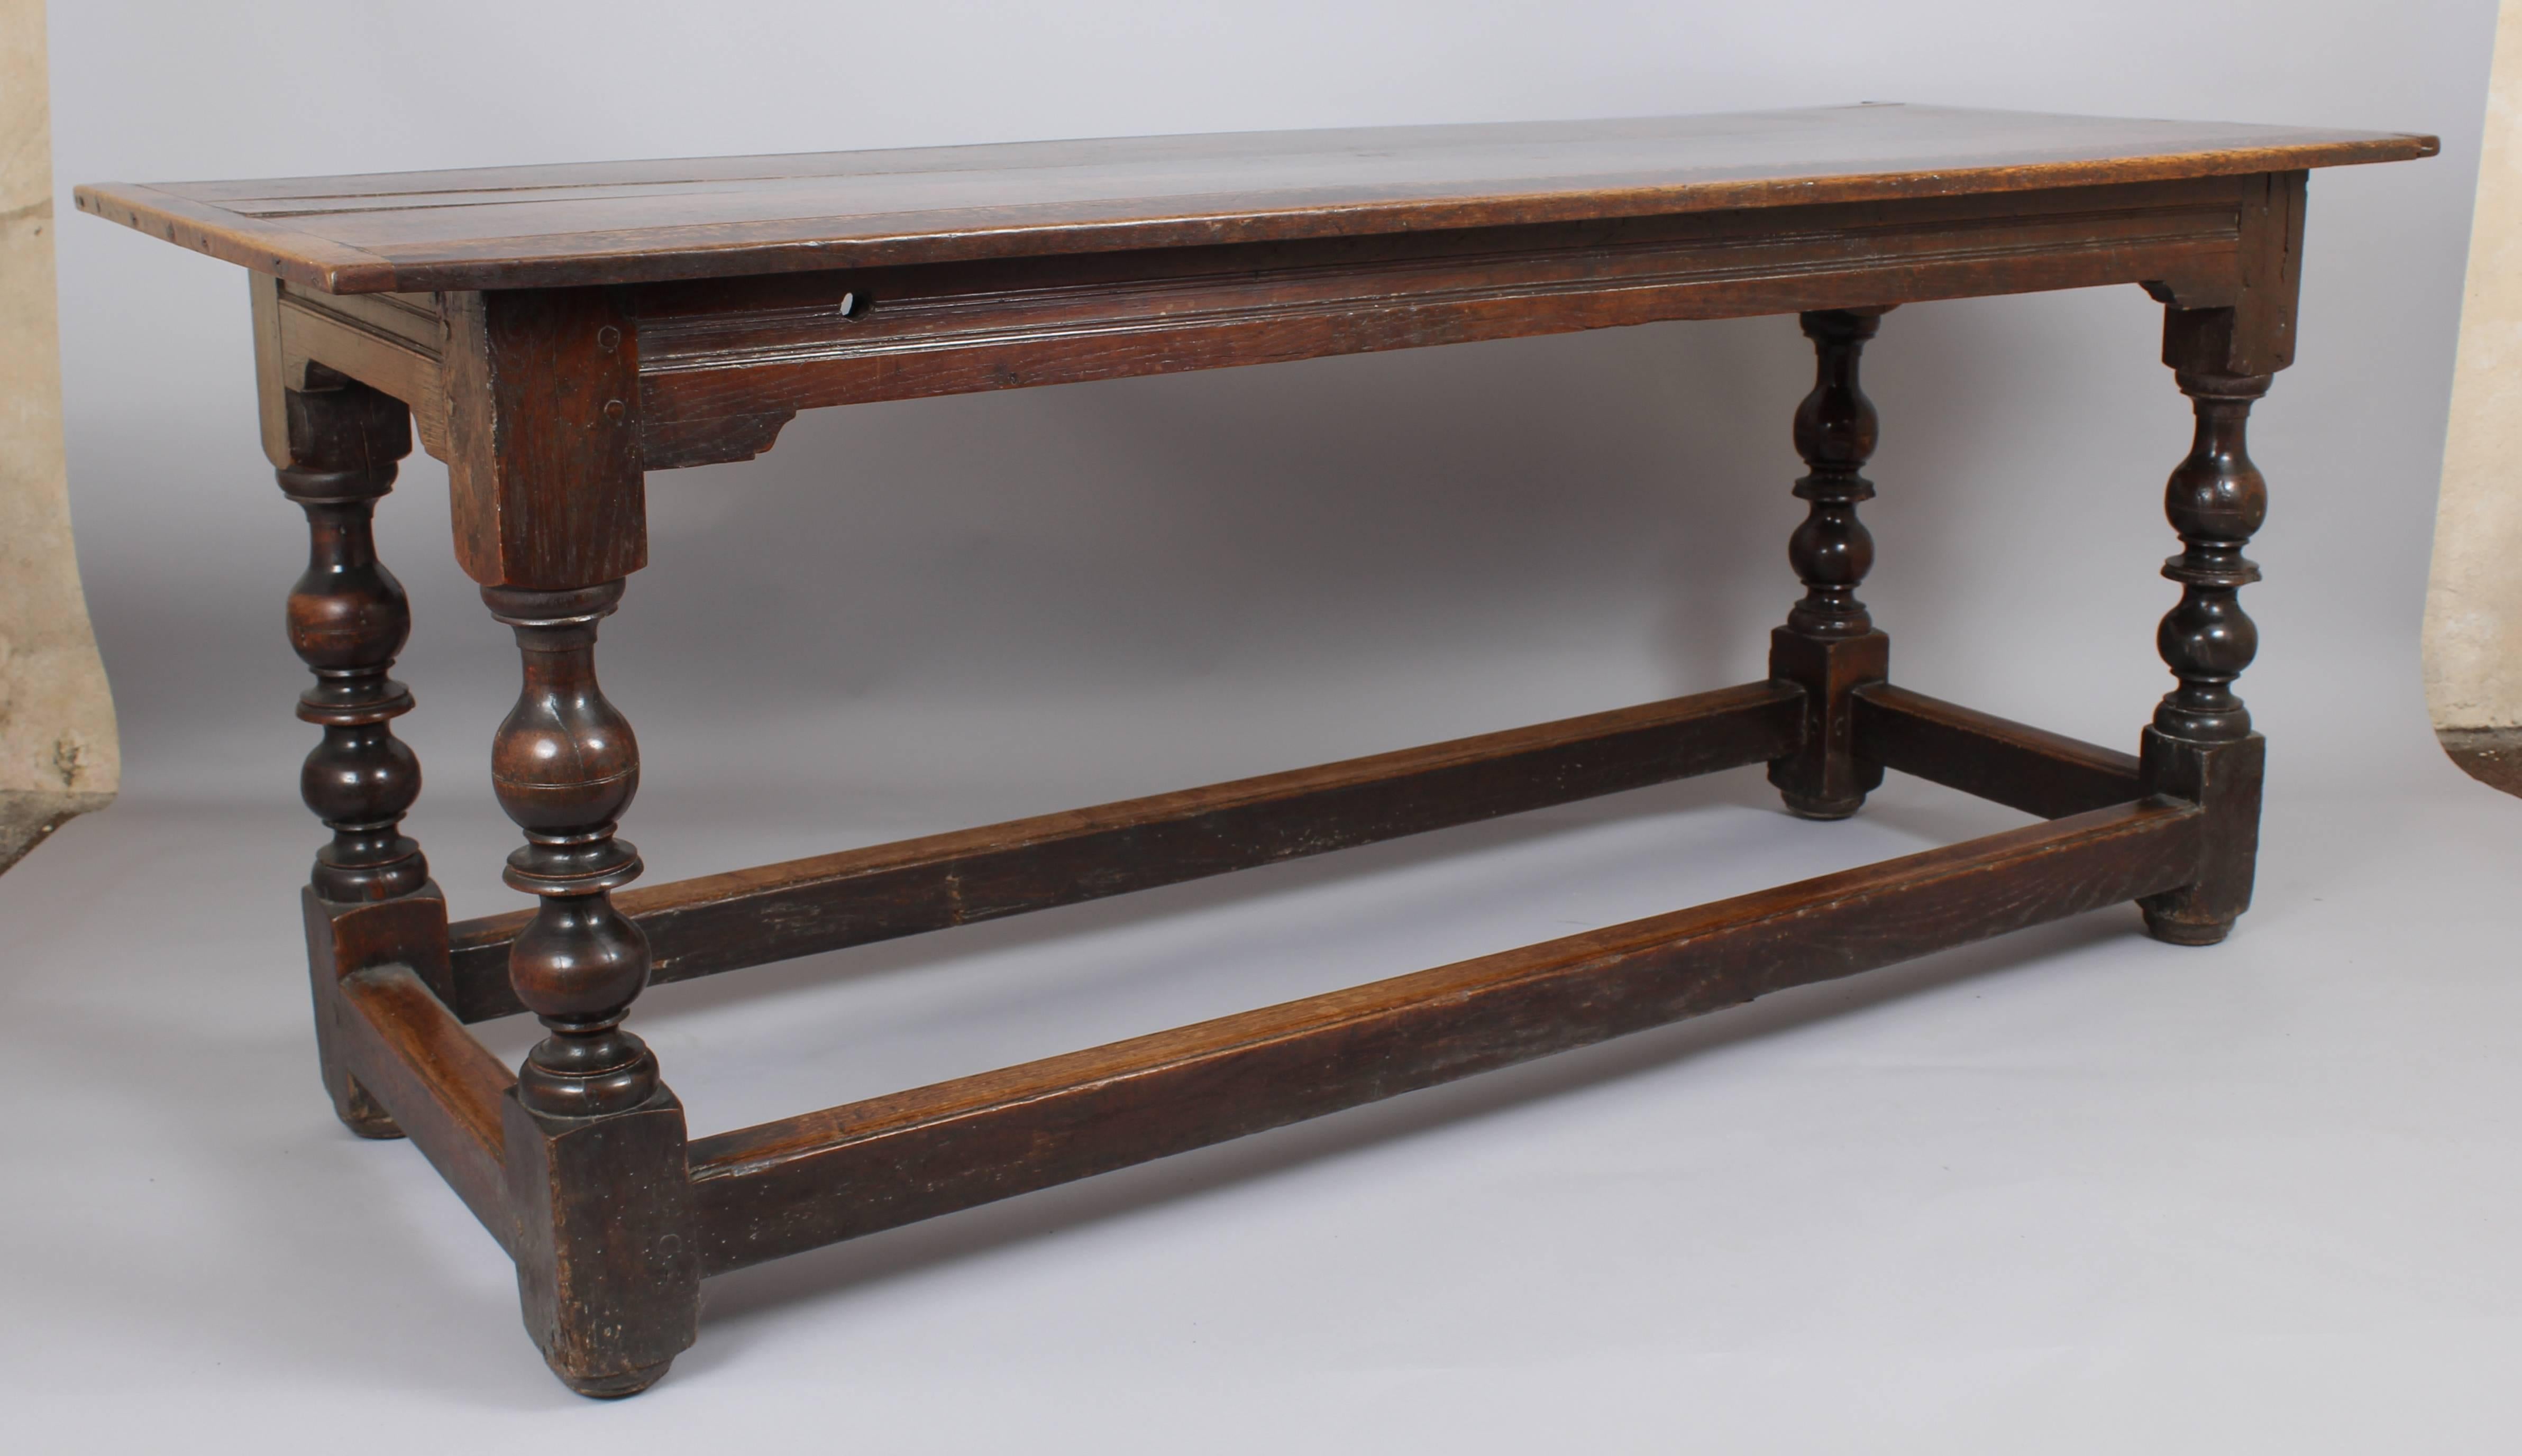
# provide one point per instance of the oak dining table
(554, 333)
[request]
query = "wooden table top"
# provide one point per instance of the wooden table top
(647, 221)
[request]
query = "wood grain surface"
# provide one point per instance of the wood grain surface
(1988, 756)
(763, 1192)
(649, 222)
(442, 1086)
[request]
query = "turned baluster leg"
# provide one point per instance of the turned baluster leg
(596, 1141)
(1829, 645)
(2200, 745)
(549, 504)
(348, 618)
(2224, 339)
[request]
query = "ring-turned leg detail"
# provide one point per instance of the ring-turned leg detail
(2216, 500)
(2200, 745)
(1829, 645)
(348, 618)
(564, 767)
(596, 1162)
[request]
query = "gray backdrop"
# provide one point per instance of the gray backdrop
(909, 617)
(1246, 569)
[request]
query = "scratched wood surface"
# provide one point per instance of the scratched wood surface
(650, 221)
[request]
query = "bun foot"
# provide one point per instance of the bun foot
(615, 1386)
(381, 1128)
(1823, 809)
(361, 1113)
(2186, 934)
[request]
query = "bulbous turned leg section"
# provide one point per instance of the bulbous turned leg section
(2200, 745)
(1829, 645)
(348, 618)
(564, 767)
(606, 1268)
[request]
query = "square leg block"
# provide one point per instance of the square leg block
(2224, 779)
(1824, 779)
(606, 1270)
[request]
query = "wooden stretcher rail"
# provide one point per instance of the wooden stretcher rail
(442, 1086)
(1993, 758)
(777, 1189)
(698, 927)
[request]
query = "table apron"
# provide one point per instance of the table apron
(724, 364)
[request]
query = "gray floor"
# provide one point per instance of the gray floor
(2070, 1191)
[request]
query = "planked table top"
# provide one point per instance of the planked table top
(613, 222)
